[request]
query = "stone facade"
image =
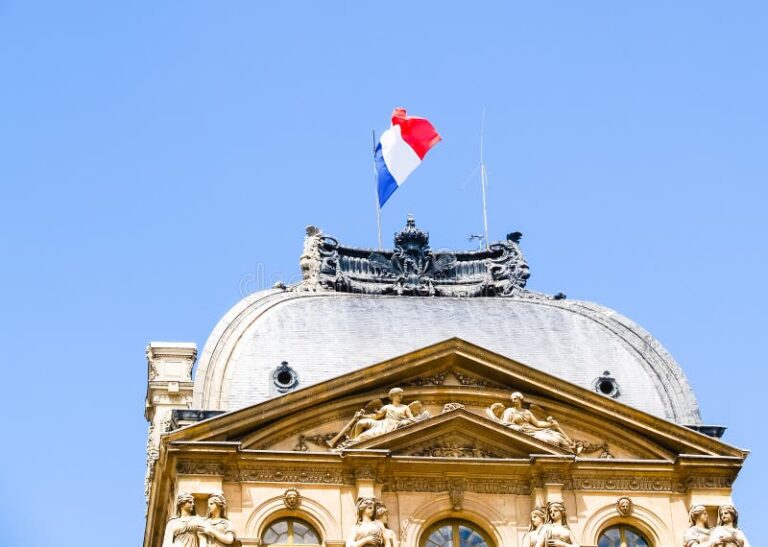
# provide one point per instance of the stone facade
(455, 460)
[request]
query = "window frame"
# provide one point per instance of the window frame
(455, 523)
(290, 521)
(622, 527)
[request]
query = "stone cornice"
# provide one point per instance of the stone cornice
(492, 366)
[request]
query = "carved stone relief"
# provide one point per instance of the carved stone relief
(377, 419)
(442, 484)
(322, 440)
(624, 506)
(291, 498)
(454, 452)
(462, 378)
(518, 418)
(450, 407)
(456, 493)
(253, 472)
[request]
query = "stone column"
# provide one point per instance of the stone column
(169, 387)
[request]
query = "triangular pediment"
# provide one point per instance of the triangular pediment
(455, 372)
(459, 433)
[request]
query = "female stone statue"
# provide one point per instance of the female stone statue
(538, 517)
(217, 529)
(386, 419)
(698, 533)
(382, 515)
(183, 529)
(727, 533)
(368, 532)
(520, 419)
(555, 532)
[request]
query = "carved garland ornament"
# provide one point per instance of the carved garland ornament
(454, 452)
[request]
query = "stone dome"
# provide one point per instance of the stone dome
(324, 334)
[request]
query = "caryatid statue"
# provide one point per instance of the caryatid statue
(697, 533)
(382, 515)
(183, 530)
(217, 530)
(538, 518)
(727, 533)
(555, 532)
(368, 532)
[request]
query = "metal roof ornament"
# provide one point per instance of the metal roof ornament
(413, 269)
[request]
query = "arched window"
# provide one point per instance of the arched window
(622, 536)
(455, 533)
(290, 531)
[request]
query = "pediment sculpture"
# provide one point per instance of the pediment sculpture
(377, 419)
(521, 419)
(189, 530)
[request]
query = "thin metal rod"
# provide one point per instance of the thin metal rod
(483, 180)
(376, 188)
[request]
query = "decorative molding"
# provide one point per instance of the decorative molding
(454, 452)
(450, 407)
(466, 380)
(626, 483)
(153, 449)
(245, 472)
(441, 484)
(586, 448)
(439, 378)
(434, 380)
(456, 493)
(708, 481)
(307, 475)
(200, 467)
(363, 473)
(322, 440)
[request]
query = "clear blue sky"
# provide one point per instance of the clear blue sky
(155, 154)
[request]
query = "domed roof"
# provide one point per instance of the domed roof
(325, 334)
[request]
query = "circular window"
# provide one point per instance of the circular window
(607, 385)
(622, 536)
(290, 531)
(455, 533)
(284, 378)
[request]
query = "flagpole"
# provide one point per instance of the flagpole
(483, 180)
(376, 187)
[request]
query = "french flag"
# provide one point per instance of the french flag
(401, 149)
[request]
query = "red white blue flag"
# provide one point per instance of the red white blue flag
(401, 149)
